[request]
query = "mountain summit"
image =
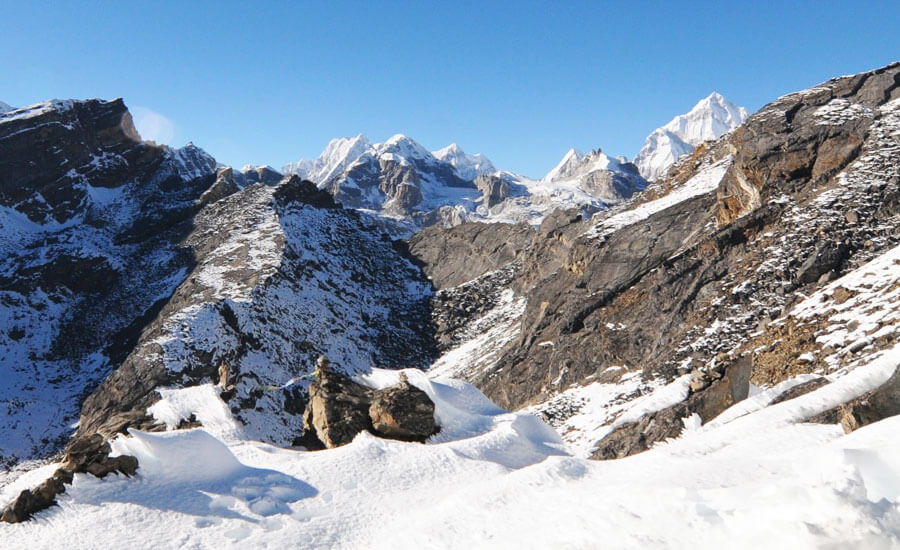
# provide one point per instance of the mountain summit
(709, 119)
(467, 166)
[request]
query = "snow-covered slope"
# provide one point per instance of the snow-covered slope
(709, 119)
(280, 277)
(89, 246)
(490, 478)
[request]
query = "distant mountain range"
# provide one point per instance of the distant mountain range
(408, 187)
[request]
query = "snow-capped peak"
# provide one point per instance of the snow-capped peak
(575, 164)
(337, 156)
(468, 167)
(709, 119)
(566, 166)
(5, 107)
(403, 146)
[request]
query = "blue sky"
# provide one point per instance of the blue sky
(521, 82)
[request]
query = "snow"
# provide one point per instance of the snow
(4, 107)
(468, 167)
(337, 156)
(756, 477)
(575, 163)
(585, 414)
(705, 181)
(483, 340)
(840, 111)
(203, 403)
(868, 309)
(709, 119)
(38, 109)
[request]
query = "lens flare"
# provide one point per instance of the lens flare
(153, 126)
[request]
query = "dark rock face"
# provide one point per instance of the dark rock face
(453, 256)
(403, 412)
(672, 289)
(50, 148)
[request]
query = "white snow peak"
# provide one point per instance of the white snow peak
(709, 119)
(337, 156)
(468, 167)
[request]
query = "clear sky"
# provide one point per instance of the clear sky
(521, 82)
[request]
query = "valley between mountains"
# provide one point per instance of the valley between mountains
(393, 347)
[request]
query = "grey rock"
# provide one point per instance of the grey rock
(874, 405)
(338, 409)
(494, 189)
(403, 412)
(730, 384)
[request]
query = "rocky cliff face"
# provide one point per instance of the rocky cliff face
(804, 192)
(92, 222)
(135, 278)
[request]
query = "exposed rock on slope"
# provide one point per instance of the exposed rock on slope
(282, 275)
(151, 264)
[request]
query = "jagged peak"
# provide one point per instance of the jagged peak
(708, 119)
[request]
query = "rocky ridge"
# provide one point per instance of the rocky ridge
(638, 298)
(768, 256)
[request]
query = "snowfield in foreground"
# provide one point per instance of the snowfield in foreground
(752, 478)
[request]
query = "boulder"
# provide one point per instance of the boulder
(403, 412)
(30, 502)
(340, 408)
(86, 454)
